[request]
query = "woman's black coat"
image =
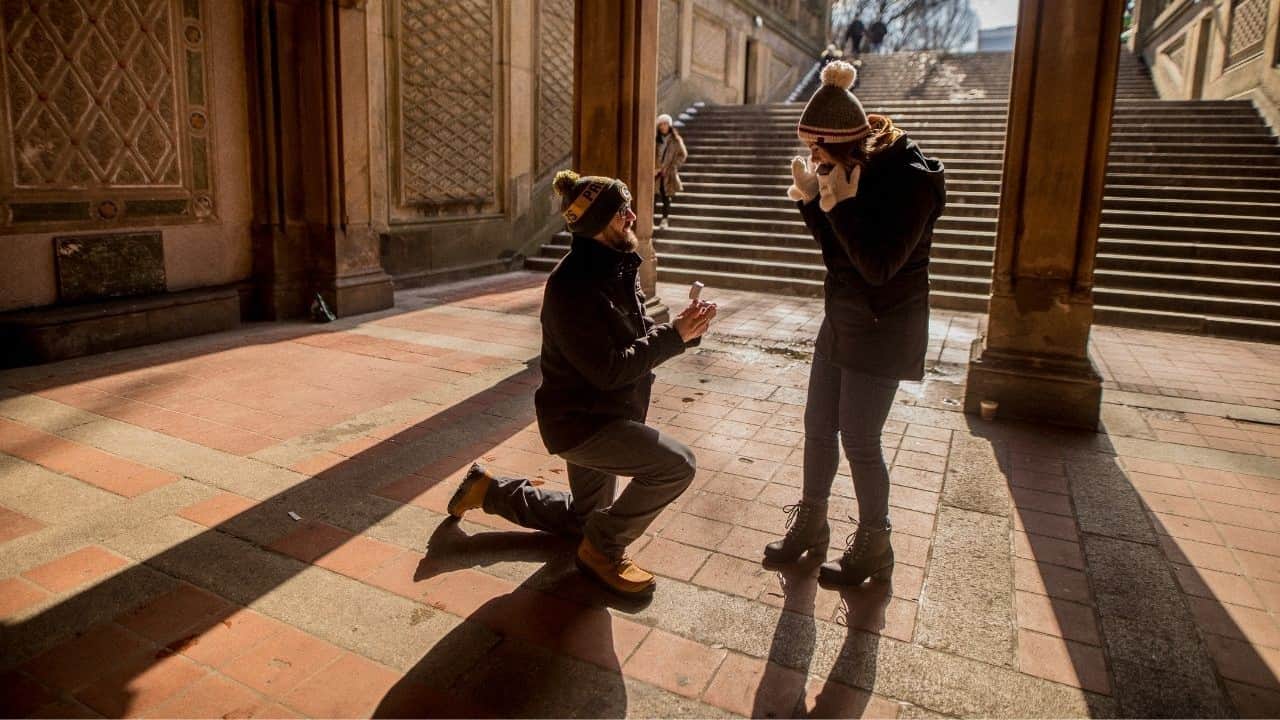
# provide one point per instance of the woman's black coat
(876, 249)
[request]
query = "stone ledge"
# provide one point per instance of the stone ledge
(50, 334)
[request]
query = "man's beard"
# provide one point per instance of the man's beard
(620, 240)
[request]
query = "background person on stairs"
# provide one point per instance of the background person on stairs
(599, 349)
(870, 197)
(671, 155)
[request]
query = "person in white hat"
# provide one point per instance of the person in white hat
(671, 155)
(870, 197)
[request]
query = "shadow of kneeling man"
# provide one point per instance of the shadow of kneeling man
(546, 648)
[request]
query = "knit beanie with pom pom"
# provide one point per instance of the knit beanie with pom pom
(833, 114)
(589, 203)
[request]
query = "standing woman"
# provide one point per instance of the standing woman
(870, 198)
(671, 155)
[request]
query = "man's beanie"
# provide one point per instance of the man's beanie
(589, 203)
(833, 114)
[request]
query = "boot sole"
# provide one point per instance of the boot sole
(884, 574)
(586, 570)
(465, 487)
(807, 554)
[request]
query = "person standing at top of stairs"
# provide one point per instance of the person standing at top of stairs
(871, 198)
(671, 155)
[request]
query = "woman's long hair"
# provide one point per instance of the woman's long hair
(883, 134)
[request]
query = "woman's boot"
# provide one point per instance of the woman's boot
(807, 530)
(869, 556)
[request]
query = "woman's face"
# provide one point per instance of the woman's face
(663, 127)
(820, 155)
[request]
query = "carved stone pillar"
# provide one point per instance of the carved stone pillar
(1034, 359)
(312, 229)
(615, 99)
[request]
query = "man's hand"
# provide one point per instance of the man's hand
(694, 320)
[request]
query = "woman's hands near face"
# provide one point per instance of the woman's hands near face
(838, 184)
(804, 187)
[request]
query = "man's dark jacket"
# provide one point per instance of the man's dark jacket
(876, 249)
(599, 347)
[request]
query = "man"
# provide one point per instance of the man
(598, 354)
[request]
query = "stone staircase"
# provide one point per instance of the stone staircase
(1190, 236)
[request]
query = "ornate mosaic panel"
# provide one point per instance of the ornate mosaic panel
(107, 116)
(668, 40)
(1248, 30)
(445, 98)
(555, 83)
(710, 47)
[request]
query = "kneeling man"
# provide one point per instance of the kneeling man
(599, 349)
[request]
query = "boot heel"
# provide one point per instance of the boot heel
(884, 574)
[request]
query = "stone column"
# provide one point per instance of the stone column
(1034, 359)
(615, 103)
(313, 228)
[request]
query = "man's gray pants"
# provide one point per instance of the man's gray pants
(661, 469)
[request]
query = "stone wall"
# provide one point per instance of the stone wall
(1225, 49)
(120, 118)
(715, 51)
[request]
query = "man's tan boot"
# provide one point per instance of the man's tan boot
(621, 576)
(470, 493)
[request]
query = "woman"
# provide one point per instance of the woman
(870, 198)
(671, 155)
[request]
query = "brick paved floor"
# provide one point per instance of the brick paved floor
(149, 564)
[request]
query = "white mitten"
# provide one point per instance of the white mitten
(804, 187)
(838, 186)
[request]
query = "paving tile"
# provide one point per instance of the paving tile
(1253, 702)
(697, 531)
(129, 691)
(1060, 618)
(1256, 627)
(212, 696)
(352, 686)
(279, 663)
(1063, 661)
(16, 595)
(671, 559)
(1199, 555)
(14, 525)
(831, 699)
(752, 687)
(109, 472)
(23, 695)
(1041, 523)
(733, 575)
(1240, 661)
(172, 616)
(311, 541)
(1052, 580)
(1048, 550)
(75, 569)
(1214, 585)
(84, 658)
(228, 638)
(673, 663)
(217, 509)
(1257, 541)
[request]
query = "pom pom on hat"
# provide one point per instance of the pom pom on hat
(564, 182)
(834, 115)
(840, 73)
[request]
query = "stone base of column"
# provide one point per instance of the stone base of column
(657, 310)
(1059, 391)
(358, 294)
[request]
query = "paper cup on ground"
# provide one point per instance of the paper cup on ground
(988, 409)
